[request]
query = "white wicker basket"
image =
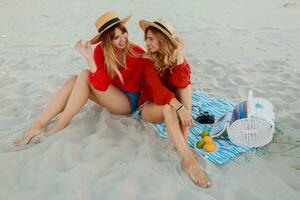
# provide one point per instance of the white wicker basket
(256, 127)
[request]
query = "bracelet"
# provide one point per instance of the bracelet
(180, 107)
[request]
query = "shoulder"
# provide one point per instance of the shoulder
(98, 48)
(98, 54)
(182, 69)
(145, 56)
(147, 60)
(138, 49)
(183, 66)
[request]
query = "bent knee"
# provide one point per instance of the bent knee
(84, 73)
(72, 79)
(167, 109)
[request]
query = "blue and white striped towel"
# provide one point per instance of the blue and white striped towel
(227, 151)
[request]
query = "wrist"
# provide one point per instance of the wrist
(174, 103)
(90, 59)
(180, 59)
(92, 65)
(180, 109)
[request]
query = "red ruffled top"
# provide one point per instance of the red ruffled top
(160, 89)
(131, 74)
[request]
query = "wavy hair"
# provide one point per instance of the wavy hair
(111, 62)
(165, 57)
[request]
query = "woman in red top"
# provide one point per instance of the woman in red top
(113, 80)
(174, 71)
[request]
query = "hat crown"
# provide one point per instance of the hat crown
(105, 18)
(167, 25)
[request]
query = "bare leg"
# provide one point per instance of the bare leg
(112, 99)
(54, 107)
(155, 114)
(184, 95)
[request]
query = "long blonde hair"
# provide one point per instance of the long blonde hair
(165, 57)
(111, 61)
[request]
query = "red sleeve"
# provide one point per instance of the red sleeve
(181, 75)
(99, 79)
(161, 95)
(138, 49)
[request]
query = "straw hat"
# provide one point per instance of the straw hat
(163, 25)
(106, 21)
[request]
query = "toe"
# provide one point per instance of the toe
(203, 183)
(17, 142)
(208, 183)
(195, 180)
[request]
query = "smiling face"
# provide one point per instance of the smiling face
(120, 38)
(152, 42)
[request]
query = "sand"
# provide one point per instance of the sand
(232, 46)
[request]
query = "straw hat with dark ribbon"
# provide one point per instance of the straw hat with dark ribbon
(106, 21)
(163, 25)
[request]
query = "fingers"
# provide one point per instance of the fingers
(88, 43)
(186, 120)
(79, 44)
(179, 39)
(192, 124)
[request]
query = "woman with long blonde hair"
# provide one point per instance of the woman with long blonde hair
(113, 80)
(166, 52)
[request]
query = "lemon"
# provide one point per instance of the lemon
(207, 139)
(200, 144)
(204, 133)
(210, 147)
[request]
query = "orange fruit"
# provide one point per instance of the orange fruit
(210, 147)
(207, 139)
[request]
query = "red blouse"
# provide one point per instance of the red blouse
(131, 74)
(154, 89)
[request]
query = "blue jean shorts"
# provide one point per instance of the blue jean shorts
(137, 114)
(133, 98)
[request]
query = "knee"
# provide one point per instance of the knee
(167, 109)
(84, 75)
(72, 79)
(169, 113)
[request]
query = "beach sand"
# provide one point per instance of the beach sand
(232, 46)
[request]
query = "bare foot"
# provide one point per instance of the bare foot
(39, 138)
(29, 135)
(193, 169)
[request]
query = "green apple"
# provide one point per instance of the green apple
(204, 133)
(200, 144)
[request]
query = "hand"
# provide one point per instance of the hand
(85, 49)
(185, 117)
(180, 46)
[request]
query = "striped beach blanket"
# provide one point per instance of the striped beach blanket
(226, 150)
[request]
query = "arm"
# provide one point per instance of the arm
(180, 79)
(86, 51)
(179, 51)
(98, 76)
(185, 97)
(161, 94)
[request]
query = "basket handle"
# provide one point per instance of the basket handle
(250, 104)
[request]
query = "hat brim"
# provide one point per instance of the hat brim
(96, 38)
(144, 24)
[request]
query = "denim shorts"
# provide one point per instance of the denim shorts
(137, 114)
(133, 98)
